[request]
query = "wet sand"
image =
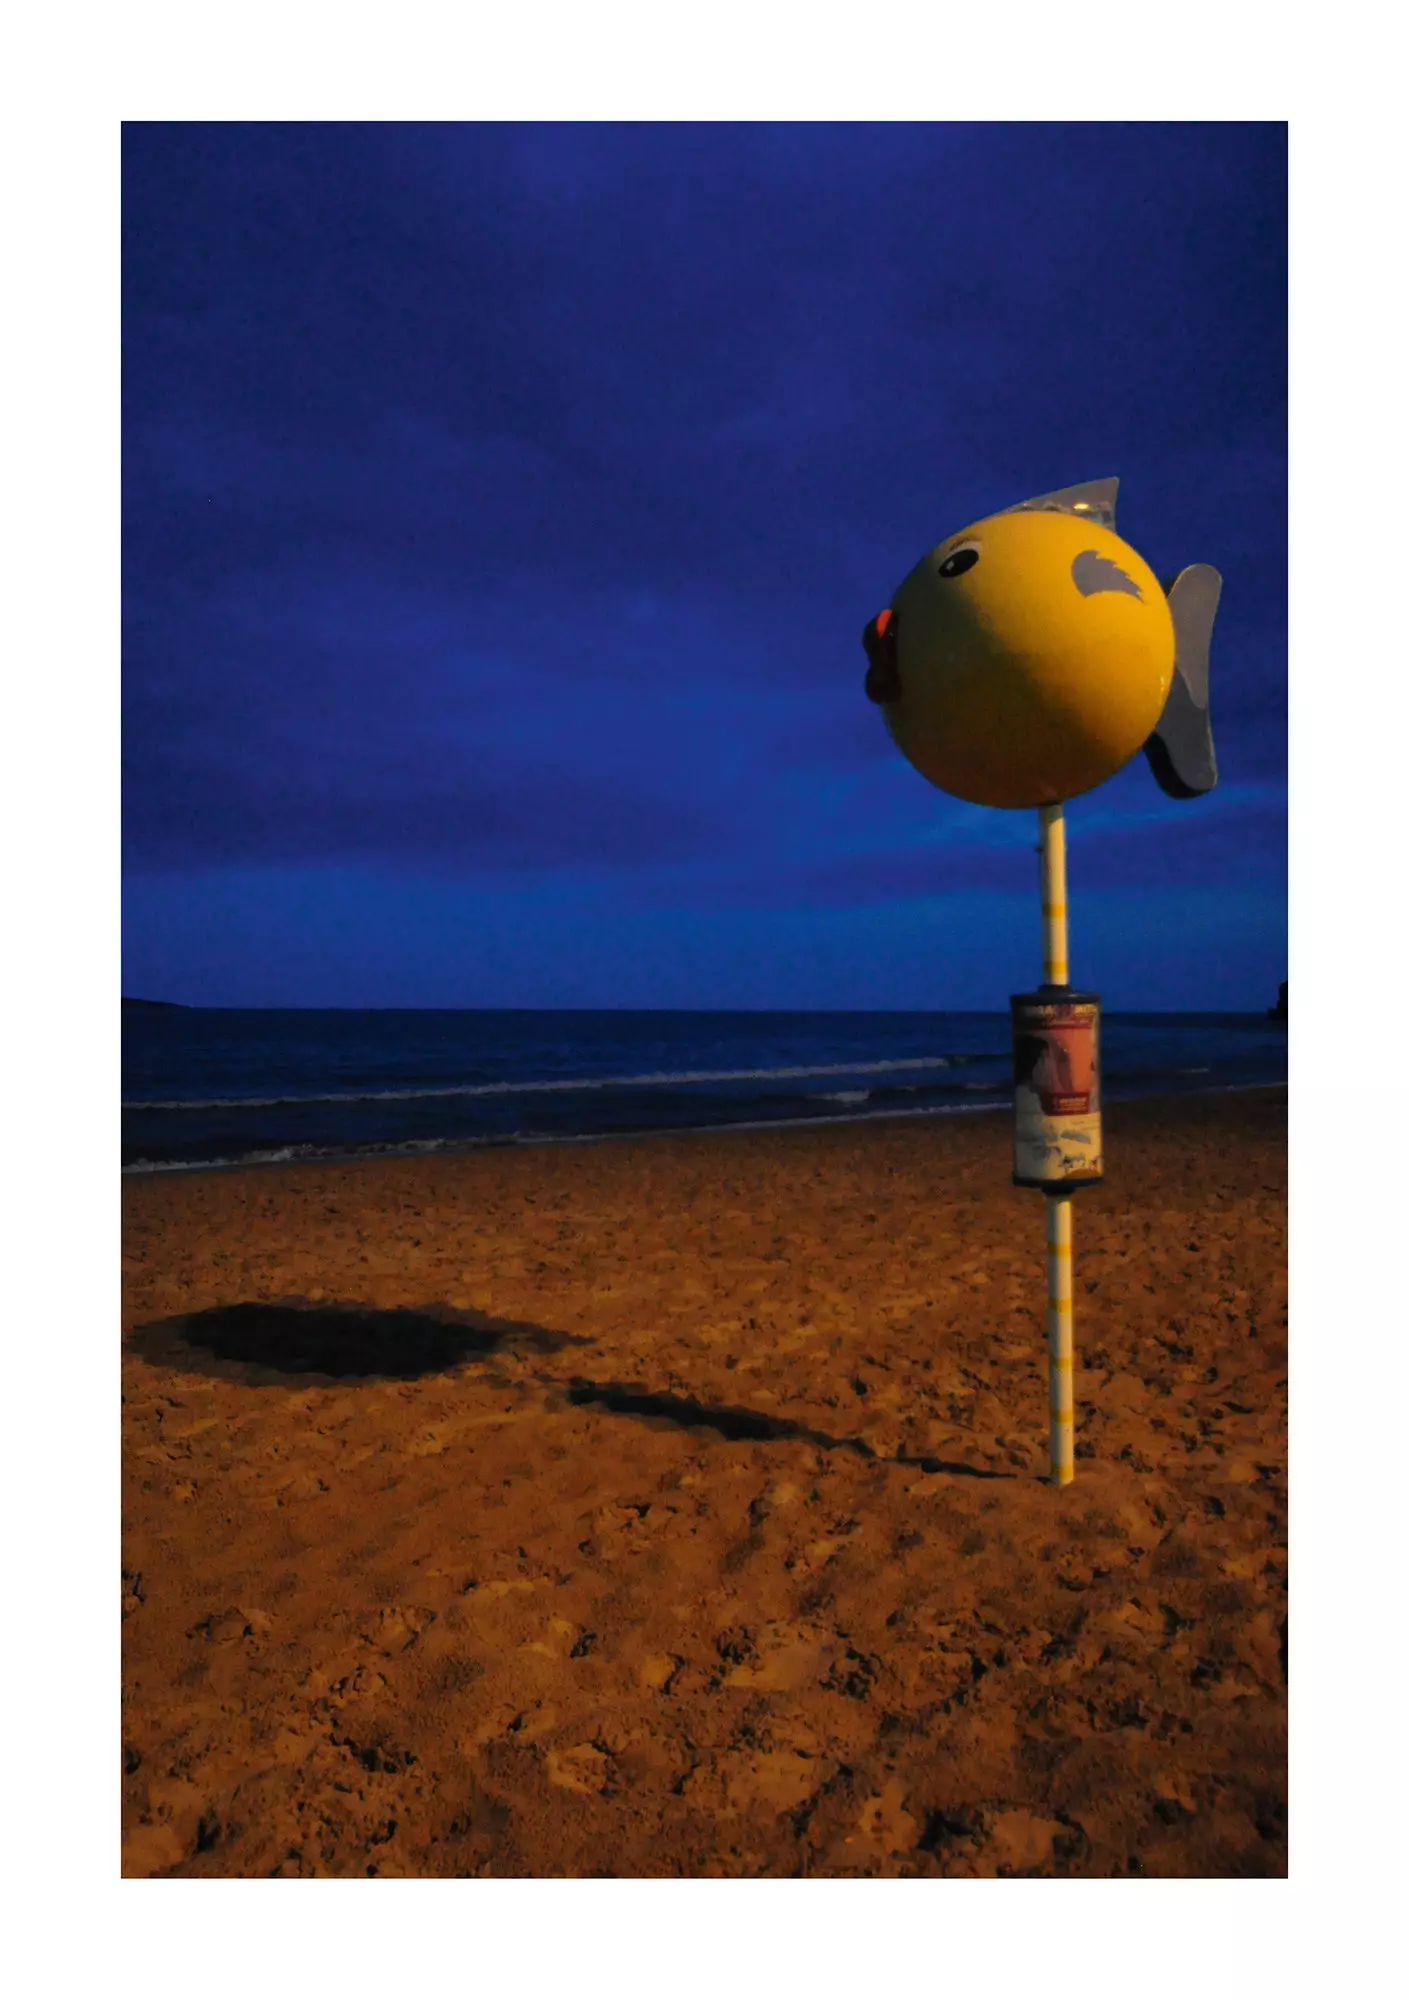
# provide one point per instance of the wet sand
(676, 1507)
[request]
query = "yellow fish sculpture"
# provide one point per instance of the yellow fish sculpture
(1027, 658)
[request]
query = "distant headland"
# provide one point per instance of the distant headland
(127, 1001)
(1279, 1012)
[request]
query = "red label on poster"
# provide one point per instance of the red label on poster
(1054, 1055)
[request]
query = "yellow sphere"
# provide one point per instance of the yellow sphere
(1028, 658)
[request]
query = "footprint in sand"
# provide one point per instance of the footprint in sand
(741, 1781)
(883, 1827)
(583, 1769)
(784, 1659)
(395, 1628)
(1021, 1840)
(225, 1628)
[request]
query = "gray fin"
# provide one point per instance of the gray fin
(1180, 752)
(1093, 501)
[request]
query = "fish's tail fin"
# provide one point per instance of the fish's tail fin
(1180, 751)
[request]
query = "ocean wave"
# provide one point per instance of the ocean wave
(651, 1079)
(307, 1154)
(303, 1155)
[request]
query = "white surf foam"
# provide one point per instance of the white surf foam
(653, 1079)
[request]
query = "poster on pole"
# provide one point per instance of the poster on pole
(1056, 1090)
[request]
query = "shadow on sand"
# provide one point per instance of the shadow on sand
(744, 1425)
(296, 1339)
(299, 1344)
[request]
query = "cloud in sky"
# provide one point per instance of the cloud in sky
(504, 503)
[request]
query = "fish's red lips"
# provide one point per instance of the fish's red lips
(883, 670)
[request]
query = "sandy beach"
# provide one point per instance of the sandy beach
(676, 1507)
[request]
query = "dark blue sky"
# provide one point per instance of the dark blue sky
(503, 505)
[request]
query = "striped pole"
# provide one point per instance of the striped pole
(1054, 895)
(1061, 1430)
(1061, 1420)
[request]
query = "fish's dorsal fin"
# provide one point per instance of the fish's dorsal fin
(1180, 752)
(1094, 501)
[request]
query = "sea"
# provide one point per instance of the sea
(214, 1087)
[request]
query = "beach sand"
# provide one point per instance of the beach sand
(676, 1507)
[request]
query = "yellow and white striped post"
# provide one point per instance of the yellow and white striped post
(1061, 1419)
(1054, 895)
(1060, 1363)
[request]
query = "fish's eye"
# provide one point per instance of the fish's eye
(958, 560)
